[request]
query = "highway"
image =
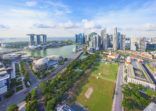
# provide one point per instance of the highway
(20, 96)
(117, 102)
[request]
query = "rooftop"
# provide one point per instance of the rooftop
(151, 107)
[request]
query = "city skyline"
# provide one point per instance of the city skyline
(63, 18)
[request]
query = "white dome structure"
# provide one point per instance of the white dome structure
(46, 62)
(54, 57)
(41, 61)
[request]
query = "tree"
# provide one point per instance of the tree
(50, 105)
(55, 89)
(13, 107)
(43, 87)
(32, 105)
(33, 94)
(28, 97)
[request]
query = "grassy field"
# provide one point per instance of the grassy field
(102, 81)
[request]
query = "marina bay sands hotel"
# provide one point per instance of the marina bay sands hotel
(41, 39)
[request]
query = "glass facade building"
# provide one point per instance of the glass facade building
(80, 38)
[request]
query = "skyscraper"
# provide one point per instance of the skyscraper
(38, 40)
(119, 41)
(44, 38)
(94, 41)
(104, 39)
(134, 44)
(123, 42)
(109, 41)
(80, 38)
(32, 39)
(115, 39)
(142, 44)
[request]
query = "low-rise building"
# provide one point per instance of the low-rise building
(151, 46)
(150, 107)
(137, 75)
(145, 55)
(113, 56)
(11, 56)
(128, 60)
(46, 62)
(4, 80)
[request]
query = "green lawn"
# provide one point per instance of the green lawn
(102, 81)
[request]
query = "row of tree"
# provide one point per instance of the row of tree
(31, 101)
(24, 71)
(54, 90)
(12, 107)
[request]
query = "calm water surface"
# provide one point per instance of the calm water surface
(64, 51)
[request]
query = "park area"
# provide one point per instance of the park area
(97, 93)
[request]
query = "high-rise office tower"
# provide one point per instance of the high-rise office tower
(109, 41)
(127, 43)
(143, 42)
(80, 38)
(115, 39)
(123, 42)
(94, 41)
(38, 42)
(86, 39)
(134, 44)
(105, 38)
(119, 40)
(32, 39)
(44, 38)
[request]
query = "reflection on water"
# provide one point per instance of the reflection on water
(64, 51)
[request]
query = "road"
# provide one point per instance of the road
(20, 96)
(118, 90)
(33, 78)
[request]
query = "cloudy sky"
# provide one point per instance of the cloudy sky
(64, 18)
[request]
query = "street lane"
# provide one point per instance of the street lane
(117, 102)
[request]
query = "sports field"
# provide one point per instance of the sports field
(97, 94)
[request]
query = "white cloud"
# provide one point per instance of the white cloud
(149, 27)
(68, 25)
(58, 8)
(88, 24)
(31, 3)
(56, 20)
(44, 26)
(132, 21)
(2, 27)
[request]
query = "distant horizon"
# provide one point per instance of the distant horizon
(71, 37)
(26, 39)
